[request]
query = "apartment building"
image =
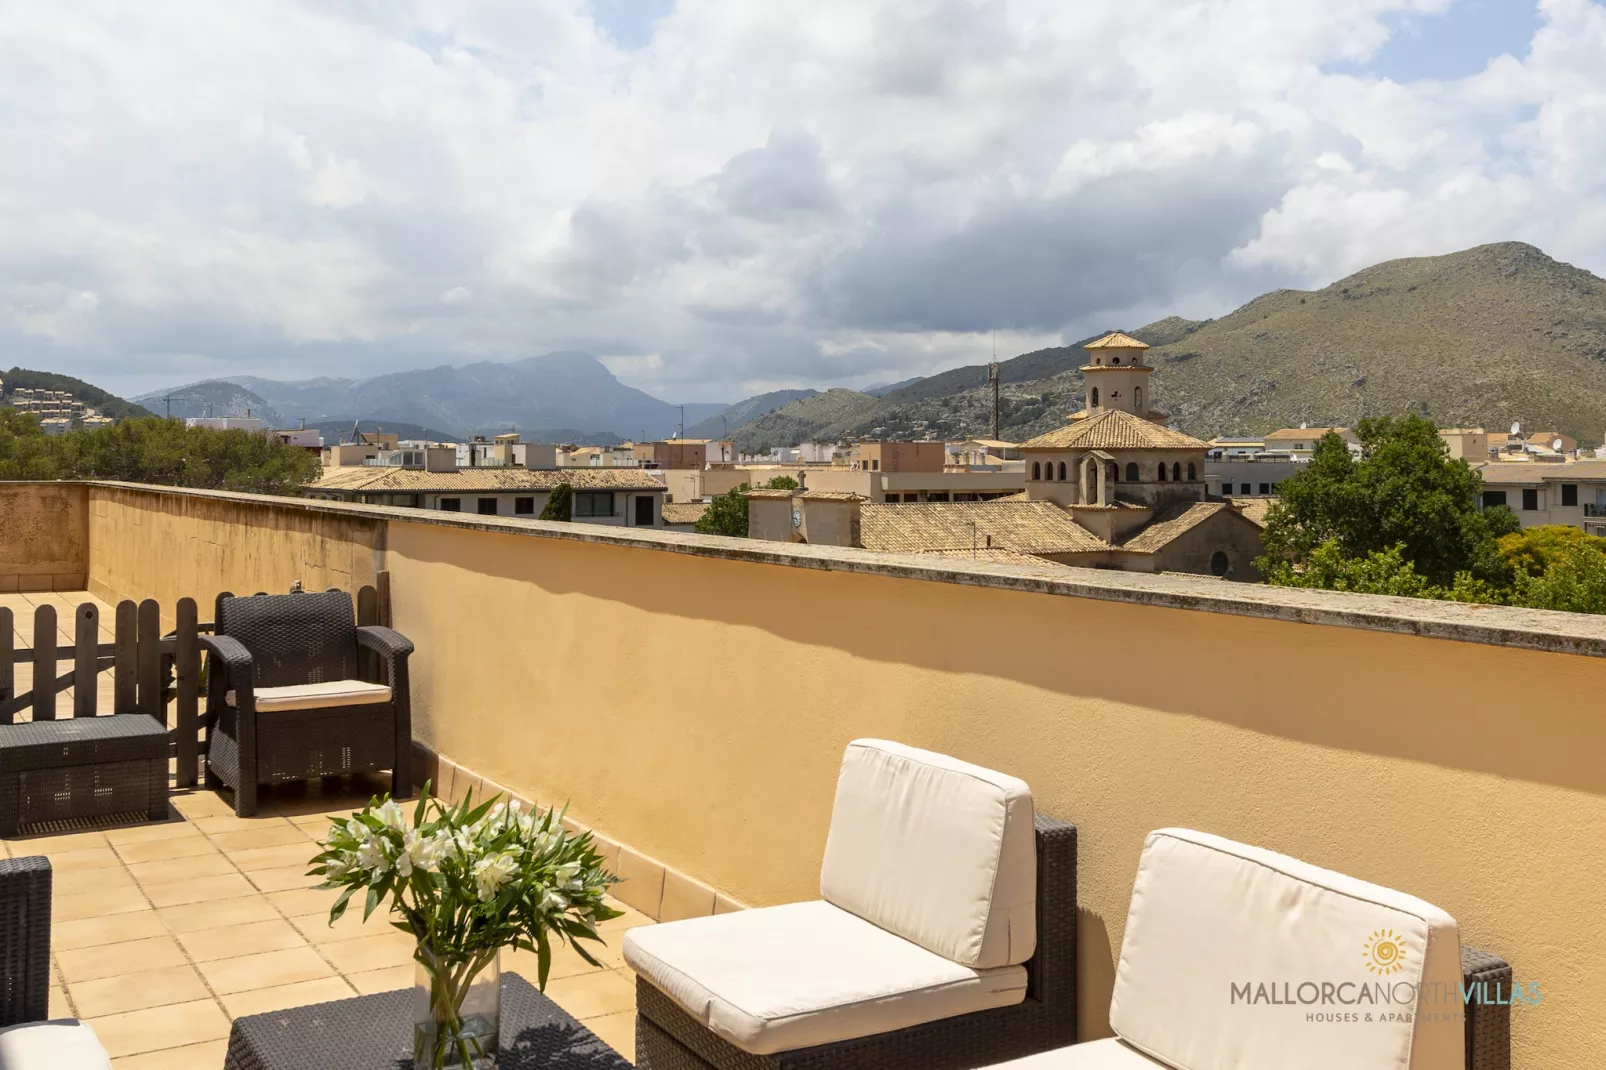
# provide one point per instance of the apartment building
(620, 456)
(617, 497)
(1540, 493)
(895, 456)
(672, 453)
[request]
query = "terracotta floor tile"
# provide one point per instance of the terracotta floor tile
(166, 830)
(266, 970)
(215, 826)
(112, 929)
(110, 960)
(197, 890)
(201, 803)
(286, 854)
(589, 995)
(53, 845)
(177, 869)
(97, 904)
(78, 881)
(389, 979)
(208, 1056)
(370, 952)
(219, 912)
(317, 930)
(274, 835)
(283, 878)
(58, 1006)
(100, 857)
(188, 846)
(304, 900)
(617, 1030)
(262, 1000)
(137, 991)
(233, 941)
(156, 1028)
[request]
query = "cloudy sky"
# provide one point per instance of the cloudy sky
(719, 197)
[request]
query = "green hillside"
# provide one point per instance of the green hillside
(108, 404)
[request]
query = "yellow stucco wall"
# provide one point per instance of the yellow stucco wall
(169, 545)
(694, 708)
(44, 536)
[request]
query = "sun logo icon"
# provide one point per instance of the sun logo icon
(1385, 952)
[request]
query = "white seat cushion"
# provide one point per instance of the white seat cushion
(1218, 930)
(934, 849)
(65, 1044)
(316, 696)
(792, 976)
(1112, 1054)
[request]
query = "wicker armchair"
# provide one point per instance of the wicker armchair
(24, 940)
(292, 696)
(816, 985)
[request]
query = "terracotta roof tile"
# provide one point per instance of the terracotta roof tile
(1172, 524)
(1114, 429)
(1117, 340)
(684, 512)
(369, 479)
(1027, 527)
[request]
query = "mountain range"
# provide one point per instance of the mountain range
(539, 396)
(1494, 335)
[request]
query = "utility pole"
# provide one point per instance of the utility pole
(169, 402)
(992, 379)
(683, 423)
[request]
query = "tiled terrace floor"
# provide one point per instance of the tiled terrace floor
(165, 932)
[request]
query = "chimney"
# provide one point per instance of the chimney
(440, 459)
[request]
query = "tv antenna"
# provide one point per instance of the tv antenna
(992, 380)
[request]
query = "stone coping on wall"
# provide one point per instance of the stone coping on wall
(659, 891)
(1532, 629)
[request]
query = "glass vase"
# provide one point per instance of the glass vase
(457, 1010)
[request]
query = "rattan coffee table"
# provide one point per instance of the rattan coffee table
(376, 1033)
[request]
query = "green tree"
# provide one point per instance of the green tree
(154, 450)
(725, 515)
(1379, 572)
(1574, 580)
(783, 483)
(1532, 551)
(1403, 491)
(559, 504)
(26, 452)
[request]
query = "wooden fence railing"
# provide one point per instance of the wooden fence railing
(150, 671)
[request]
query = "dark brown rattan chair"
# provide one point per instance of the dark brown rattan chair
(24, 940)
(265, 642)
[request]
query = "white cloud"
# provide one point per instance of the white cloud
(788, 192)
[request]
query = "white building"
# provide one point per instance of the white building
(622, 497)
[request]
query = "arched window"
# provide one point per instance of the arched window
(1162, 472)
(1137, 397)
(1037, 470)
(1115, 360)
(1115, 473)
(1176, 473)
(1132, 472)
(1220, 565)
(1062, 471)
(1191, 476)
(1095, 397)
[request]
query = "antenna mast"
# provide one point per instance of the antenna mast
(992, 379)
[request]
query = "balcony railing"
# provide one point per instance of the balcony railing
(1594, 509)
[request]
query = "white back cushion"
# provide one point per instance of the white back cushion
(1210, 917)
(62, 1044)
(938, 851)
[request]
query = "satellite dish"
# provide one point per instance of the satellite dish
(1516, 429)
(1556, 445)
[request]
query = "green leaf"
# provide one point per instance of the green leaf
(543, 951)
(339, 909)
(375, 893)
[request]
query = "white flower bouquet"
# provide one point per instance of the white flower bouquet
(467, 881)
